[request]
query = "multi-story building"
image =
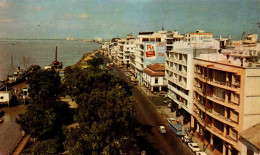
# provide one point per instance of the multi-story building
(129, 49)
(142, 38)
(112, 49)
(226, 97)
(179, 68)
(153, 77)
(179, 75)
(120, 55)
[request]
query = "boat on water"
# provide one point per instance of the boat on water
(56, 64)
(176, 127)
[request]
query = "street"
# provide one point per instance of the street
(169, 143)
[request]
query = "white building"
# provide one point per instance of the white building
(179, 75)
(129, 48)
(120, 52)
(153, 77)
(139, 57)
(5, 97)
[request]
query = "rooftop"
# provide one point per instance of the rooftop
(157, 66)
(156, 69)
(252, 135)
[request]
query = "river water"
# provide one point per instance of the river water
(40, 52)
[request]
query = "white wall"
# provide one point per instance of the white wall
(5, 96)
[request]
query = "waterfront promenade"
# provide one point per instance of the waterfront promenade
(9, 130)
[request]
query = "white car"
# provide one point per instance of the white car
(186, 139)
(194, 147)
(201, 153)
(162, 129)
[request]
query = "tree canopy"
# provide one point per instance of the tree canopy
(44, 120)
(43, 84)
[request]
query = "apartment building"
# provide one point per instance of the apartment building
(112, 49)
(226, 97)
(179, 68)
(129, 49)
(120, 54)
(139, 57)
(179, 75)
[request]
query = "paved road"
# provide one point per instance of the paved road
(169, 143)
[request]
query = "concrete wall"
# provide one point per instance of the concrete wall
(251, 107)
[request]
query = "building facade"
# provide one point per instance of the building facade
(153, 77)
(226, 95)
(179, 75)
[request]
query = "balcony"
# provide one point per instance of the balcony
(223, 119)
(221, 134)
(183, 73)
(169, 42)
(215, 130)
(223, 85)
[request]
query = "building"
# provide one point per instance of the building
(226, 96)
(140, 56)
(129, 49)
(5, 97)
(179, 75)
(250, 140)
(153, 77)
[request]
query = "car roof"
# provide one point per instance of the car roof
(194, 144)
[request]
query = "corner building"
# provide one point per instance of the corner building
(225, 100)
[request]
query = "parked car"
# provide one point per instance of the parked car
(186, 139)
(194, 147)
(201, 153)
(162, 129)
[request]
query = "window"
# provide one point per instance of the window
(249, 151)
(156, 80)
(1, 97)
(219, 125)
(180, 57)
(145, 39)
(158, 39)
(233, 134)
(180, 67)
(234, 116)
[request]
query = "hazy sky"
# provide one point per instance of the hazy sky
(110, 18)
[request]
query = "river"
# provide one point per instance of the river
(40, 52)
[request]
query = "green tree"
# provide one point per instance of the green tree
(43, 84)
(107, 119)
(44, 120)
(51, 146)
(95, 62)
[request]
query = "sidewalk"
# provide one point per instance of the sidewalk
(158, 102)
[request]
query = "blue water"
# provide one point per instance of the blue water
(41, 52)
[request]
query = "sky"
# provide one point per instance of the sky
(87, 19)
